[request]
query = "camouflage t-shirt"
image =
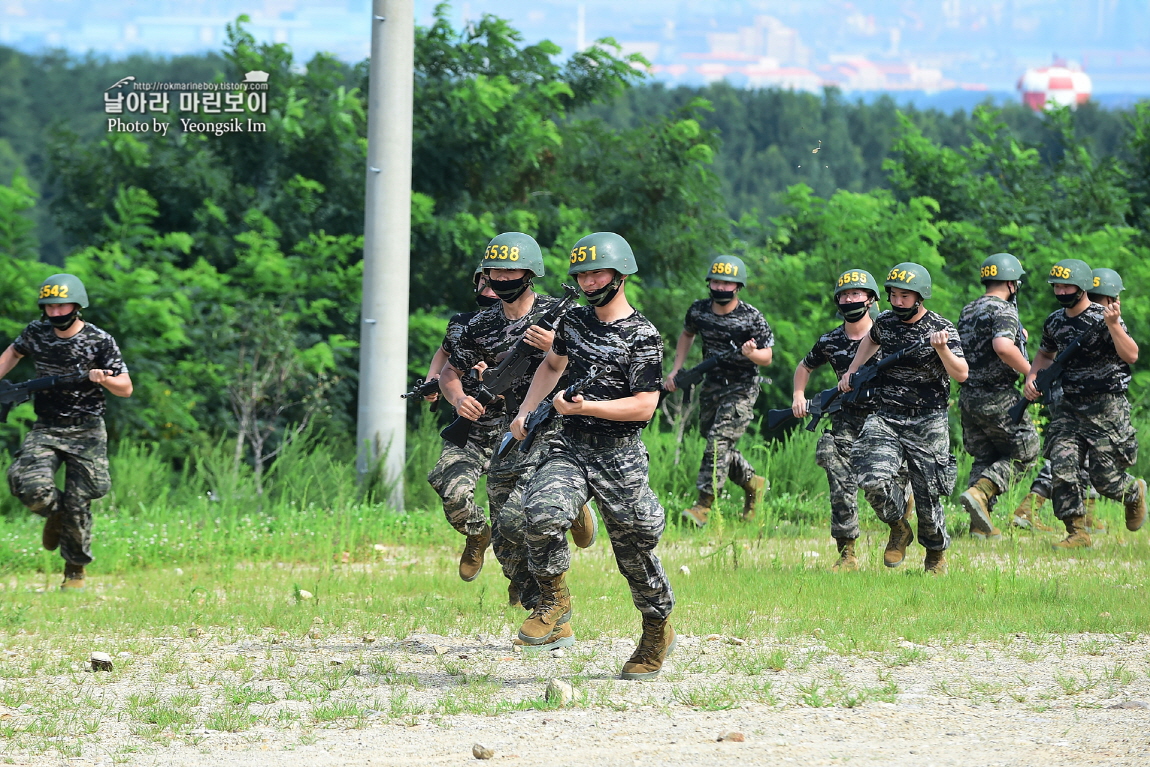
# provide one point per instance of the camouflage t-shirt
(740, 325)
(838, 350)
(89, 349)
(983, 320)
(630, 350)
(919, 379)
(493, 413)
(1096, 368)
(489, 334)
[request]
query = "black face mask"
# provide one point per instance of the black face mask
(853, 311)
(1068, 300)
(64, 321)
(603, 295)
(509, 290)
(1014, 293)
(908, 312)
(486, 301)
(722, 297)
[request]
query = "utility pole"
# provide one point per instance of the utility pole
(381, 418)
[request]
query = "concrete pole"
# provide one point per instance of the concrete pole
(381, 419)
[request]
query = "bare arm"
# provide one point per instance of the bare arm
(544, 380)
(761, 357)
(120, 385)
(1123, 344)
(956, 366)
(9, 359)
(1042, 360)
(799, 396)
(438, 360)
(464, 404)
(681, 348)
(638, 407)
(867, 349)
(1011, 355)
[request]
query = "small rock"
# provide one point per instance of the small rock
(317, 620)
(559, 692)
(179, 571)
(1130, 704)
(817, 632)
(101, 661)
(1103, 615)
(335, 662)
(194, 631)
(737, 642)
(480, 751)
(124, 654)
(441, 650)
(379, 547)
(714, 637)
(732, 737)
(368, 639)
(685, 570)
(305, 594)
(557, 653)
(314, 634)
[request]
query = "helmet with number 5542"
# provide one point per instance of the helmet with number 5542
(63, 289)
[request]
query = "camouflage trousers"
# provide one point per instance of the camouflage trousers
(1002, 450)
(83, 450)
(833, 453)
(577, 468)
(922, 441)
(1093, 433)
(457, 473)
(726, 411)
(1043, 483)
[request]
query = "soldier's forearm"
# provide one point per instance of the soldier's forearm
(637, 407)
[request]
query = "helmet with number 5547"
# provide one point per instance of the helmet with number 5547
(909, 276)
(513, 250)
(602, 250)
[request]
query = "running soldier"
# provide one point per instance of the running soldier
(910, 424)
(69, 426)
(1091, 428)
(510, 262)
(457, 472)
(995, 347)
(599, 454)
(727, 396)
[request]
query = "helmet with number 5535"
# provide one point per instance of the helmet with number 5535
(1071, 271)
(63, 289)
(909, 276)
(602, 250)
(513, 250)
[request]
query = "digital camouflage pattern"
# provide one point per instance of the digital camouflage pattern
(743, 323)
(917, 382)
(83, 450)
(923, 442)
(493, 413)
(1043, 483)
(1096, 368)
(630, 350)
(1002, 450)
(456, 474)
(52, 355)
(726, 411)
(1093, 433)
(983, 320)
(838, 350)
(615, 475)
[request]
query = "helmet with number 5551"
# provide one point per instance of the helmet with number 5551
(602, 250)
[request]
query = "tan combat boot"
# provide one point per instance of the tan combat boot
(471, 560)
(976, 502)
(935, 562)
(73, 577)
(1076, 535)
(53, 526)
(1026, 515)
(755, 490)
(657, 643)
(553, 610)
(848, 562)
(513, 595)
(1136, 507)
(901, 536)
(585, 528)
(564, 636)
(1093, 525)
(701, 510)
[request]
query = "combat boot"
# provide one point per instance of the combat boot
(73, 577)
(901, 536)
(564, 636)
(53, 526)
(471, 560)
(1026, 515)
(585, 528)
(657, 643)
(935, 562)
(701, 510)
(553, 610)
(755, 490)
(976, 502)
(1093, 525)
(848, 562)
(1136, 507)
(1076, 535)
(513, 595)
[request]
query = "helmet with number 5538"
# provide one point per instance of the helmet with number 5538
(513, 250)
(63, 289)
(602, 250)
(727, 269)
(909, 276)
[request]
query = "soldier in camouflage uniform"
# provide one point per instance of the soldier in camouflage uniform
(69, 426)
(995, 347)
(727, 397)
(1091, 428)
(457, 472)
(599, 453)
(510, 262)
(910, 423)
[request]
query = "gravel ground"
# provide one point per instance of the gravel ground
(426, 699)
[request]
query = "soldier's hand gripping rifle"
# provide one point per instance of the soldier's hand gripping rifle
(14, 394)
(823, 404)
(492, 383)
(423, 389)
(863, 379)
(689, 378)
(544, 412)
(1048, 377)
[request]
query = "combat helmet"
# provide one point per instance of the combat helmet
(602, 250)
(909, 276)
(1071, 271)
(727, 269)
(63, 289)
(1001, 267)
(513, 250)
(856, 279)
(1106, 282)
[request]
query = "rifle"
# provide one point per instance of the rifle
(689, 378)
(14, 394)
(866, 375)
(492, 383)
(824, 403)
(542, 415)
(423, 388)
(1048, 377)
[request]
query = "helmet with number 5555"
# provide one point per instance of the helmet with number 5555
(909, 276)
(602, 250)
(63, 289)
(513, 250)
